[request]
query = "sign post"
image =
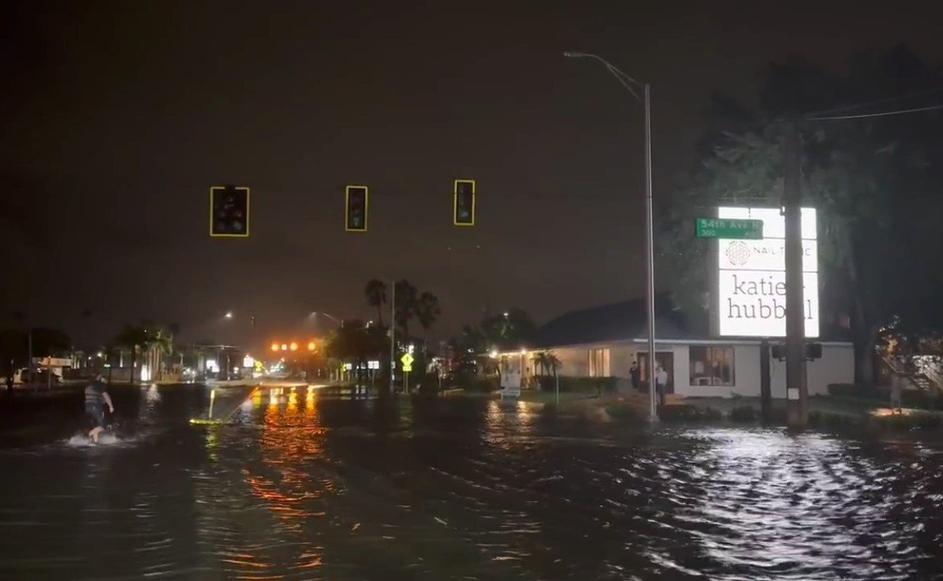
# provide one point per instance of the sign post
(407, 361)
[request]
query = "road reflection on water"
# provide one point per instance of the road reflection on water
(306, 487)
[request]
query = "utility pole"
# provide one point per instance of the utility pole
(29, 362)
(796, 389)
(766, 395)
(650, 258)
(392, 336)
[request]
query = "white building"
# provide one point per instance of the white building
(604, 341)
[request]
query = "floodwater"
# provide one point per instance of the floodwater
(305, 487)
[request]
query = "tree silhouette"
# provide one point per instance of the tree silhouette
(376, 297)
(427, 312)
(407, 300)
(131, 337)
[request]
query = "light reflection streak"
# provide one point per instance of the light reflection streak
(786, 494)
(292, 487)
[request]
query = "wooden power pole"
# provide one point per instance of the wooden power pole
(796, 387)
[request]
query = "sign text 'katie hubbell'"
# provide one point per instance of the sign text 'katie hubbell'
(752, 276)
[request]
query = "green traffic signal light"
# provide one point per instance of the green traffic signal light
(356, 208)
(229, 212)
(463, 203)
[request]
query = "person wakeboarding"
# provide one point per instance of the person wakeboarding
(96, 398)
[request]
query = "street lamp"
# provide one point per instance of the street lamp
(632, 86)
(228, 315)
(314, 314)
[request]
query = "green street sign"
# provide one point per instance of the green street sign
(728, 228)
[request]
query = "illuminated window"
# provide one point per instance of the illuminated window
(712, 366)
(599, 363)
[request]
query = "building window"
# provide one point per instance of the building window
(599, 363)
(712, 366)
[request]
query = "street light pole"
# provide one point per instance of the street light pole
(631, 85)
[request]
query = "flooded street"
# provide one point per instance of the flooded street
(300, 486)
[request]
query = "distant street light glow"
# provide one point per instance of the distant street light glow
(274, 346)
(293, 346)
(228, 314)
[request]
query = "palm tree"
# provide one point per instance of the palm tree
(132, 337)
(376, 297)
(406, 302)
(547, 361)
(157, 343)
(427, 311)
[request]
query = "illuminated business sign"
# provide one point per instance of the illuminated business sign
(751, 277)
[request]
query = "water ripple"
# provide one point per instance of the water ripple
(308, 488)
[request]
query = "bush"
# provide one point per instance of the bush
(920, 399)
(622, 411)
(744, 413)
(920, 421)
(778, 415)
(598, 385)
(842, 389)
(481, 384)
(546, 383)
(820, 419)
(852, 390)
(688, 413)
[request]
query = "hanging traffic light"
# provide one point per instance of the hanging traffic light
(463, 207)
(229, 212)
(355, 215)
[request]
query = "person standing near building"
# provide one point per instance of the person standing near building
(10, 380)
(96, 398)
(635, 375)
(661, 383)
(897, 388)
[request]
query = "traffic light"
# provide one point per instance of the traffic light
(229, 212)
(355, 215)
(463, 207)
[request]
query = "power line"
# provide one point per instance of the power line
(881, 114)
(619, 77)
(875, 102)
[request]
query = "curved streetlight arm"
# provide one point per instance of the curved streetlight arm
(615, 71)
(328, 315)
(628, 82)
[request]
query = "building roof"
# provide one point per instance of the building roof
(626, 321)
(616, 322)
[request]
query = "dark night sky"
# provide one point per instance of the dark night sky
(116, 117)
